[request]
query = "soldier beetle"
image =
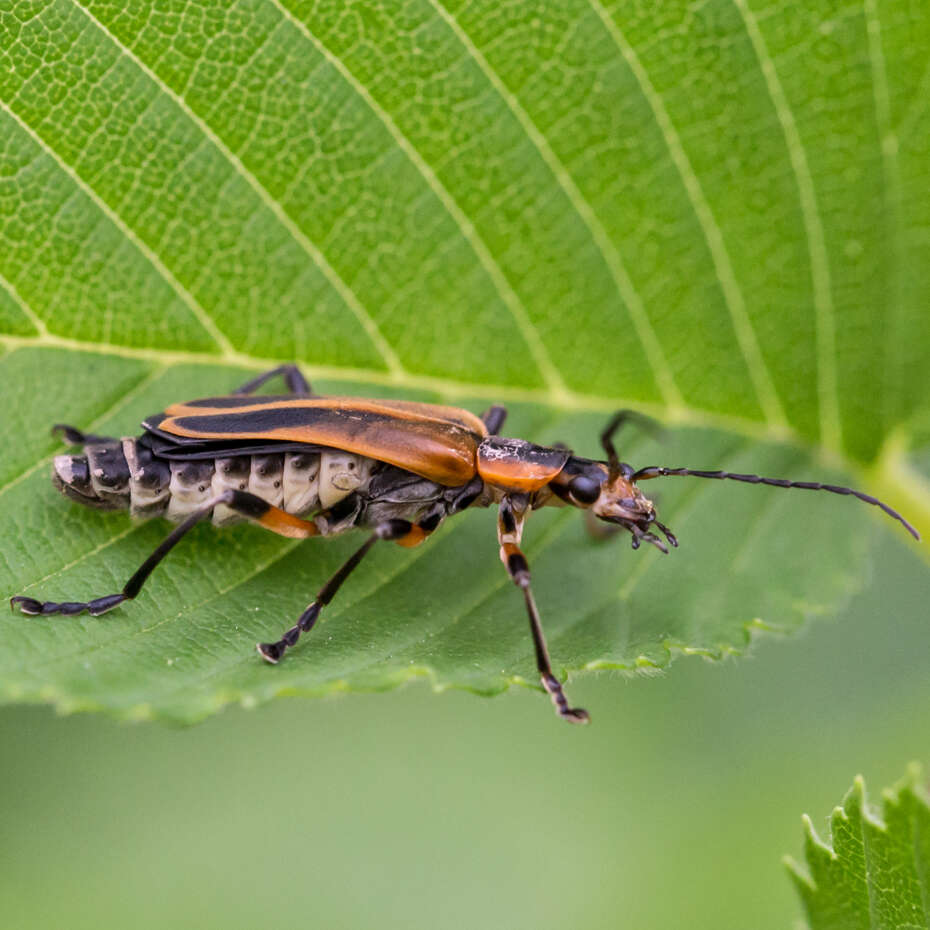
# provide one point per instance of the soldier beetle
(302, 465)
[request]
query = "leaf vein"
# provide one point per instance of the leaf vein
(655, 354)
(759, 374)
(531, 335)
(916, 108)
(824, 314)
(118, 404)
(446, 388)
(347, 295)
(20, 302)
(188, 299)
(891, 214)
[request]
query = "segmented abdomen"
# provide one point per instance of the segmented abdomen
(126, 474)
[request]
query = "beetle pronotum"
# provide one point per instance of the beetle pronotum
(302, 465)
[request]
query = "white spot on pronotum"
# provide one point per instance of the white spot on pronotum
(64, 468)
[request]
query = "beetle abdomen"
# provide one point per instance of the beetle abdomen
(100, 478)
(121, 474)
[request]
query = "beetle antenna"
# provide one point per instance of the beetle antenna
(654, 471)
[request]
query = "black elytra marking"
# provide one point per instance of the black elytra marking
(249, 422)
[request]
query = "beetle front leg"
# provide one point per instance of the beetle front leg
(513, 509)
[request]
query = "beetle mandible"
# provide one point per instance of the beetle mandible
(304, 465)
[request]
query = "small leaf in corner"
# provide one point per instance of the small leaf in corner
(874, 871)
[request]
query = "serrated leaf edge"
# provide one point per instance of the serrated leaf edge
(854, 801)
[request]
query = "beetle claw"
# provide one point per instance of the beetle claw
(270, 652)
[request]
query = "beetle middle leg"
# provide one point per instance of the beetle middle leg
(296, 383)
(494, 418)
(513, 509)
(243, 503)
(398, 530)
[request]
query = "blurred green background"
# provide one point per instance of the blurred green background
(410, 809)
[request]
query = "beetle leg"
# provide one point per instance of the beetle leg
(512, 512)
(390, 530)
(599, 530)
(420, 532)
(295, 381)
(494, 418)
(248, 505)
(74, 437)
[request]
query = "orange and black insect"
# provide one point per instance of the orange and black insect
(302, 465)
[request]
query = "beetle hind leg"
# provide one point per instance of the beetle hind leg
(243, 503)
(295, 381)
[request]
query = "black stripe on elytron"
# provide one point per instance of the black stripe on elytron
(223, 449)
(256, 422)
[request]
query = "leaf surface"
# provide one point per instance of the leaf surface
(716, 214)
(875, 870)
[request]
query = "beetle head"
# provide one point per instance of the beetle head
(612, 496)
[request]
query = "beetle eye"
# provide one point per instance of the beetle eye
(585, 490)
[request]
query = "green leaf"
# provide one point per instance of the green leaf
(714, 213)
(875, 870)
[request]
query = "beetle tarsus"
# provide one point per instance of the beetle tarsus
(554, 688)
(34, 608)
(271, 652)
